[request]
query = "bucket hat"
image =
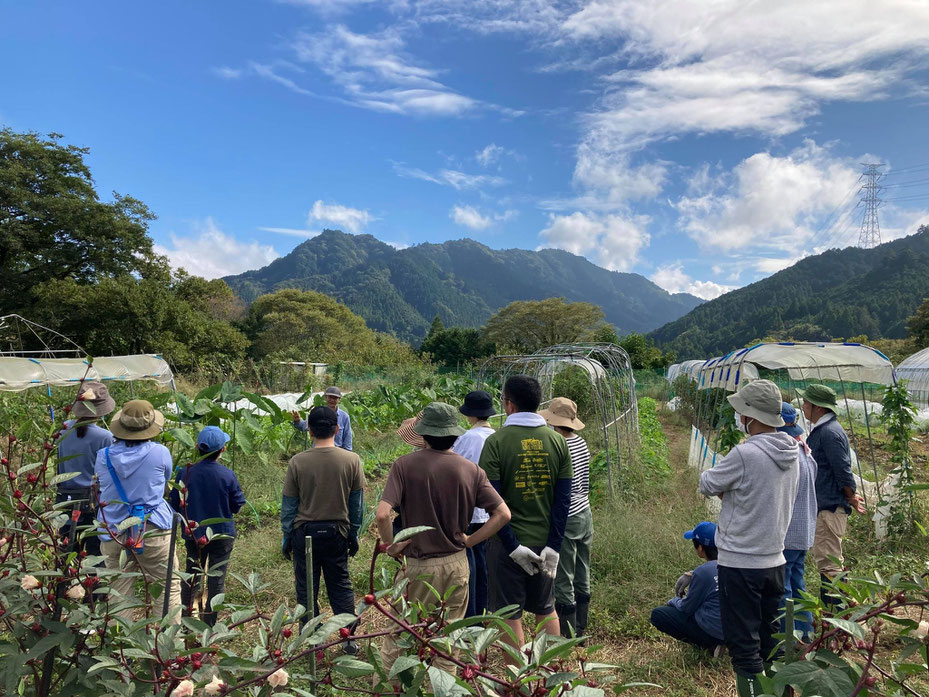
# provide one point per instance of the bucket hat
(820, 395)
(333, 392)
(137, 420)
(408, 435)
(93, 401)
(478, 404)
(439, 419)
(562, 412)
(789, 414)
(759, 400)
(212, 439)
(704, 534)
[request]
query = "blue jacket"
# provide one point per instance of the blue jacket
(213, 491)
(80, 454)
(829, 447)
(702, 600)
(343, 439)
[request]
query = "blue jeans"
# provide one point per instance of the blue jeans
(793, 584)
(477, 580)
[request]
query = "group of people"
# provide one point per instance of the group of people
(782, 496)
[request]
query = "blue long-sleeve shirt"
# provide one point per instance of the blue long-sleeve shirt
(80, 454)
(829, 446)
(343, 439)
(213, 491)
(702, 599)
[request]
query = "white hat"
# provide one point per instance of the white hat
(759, 400)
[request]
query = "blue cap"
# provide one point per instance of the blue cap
(212, 439)
(789, 414)
(704, 534)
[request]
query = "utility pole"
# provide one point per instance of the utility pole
(870, 234)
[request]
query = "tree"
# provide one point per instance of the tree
(436, 327)
(643, 353)
(529, 325)
(54, 226)
(917, 326)
(456, 345)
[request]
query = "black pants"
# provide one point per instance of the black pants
(477, 582)
(88, 515)
(213, 556)
(749, 604)
(673, 622)
(330, 559)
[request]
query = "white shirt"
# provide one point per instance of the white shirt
(469, 445)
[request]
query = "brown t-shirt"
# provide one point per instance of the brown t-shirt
(323, 479)
(439, 489)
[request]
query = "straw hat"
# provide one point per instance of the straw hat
(408, 435)
(137, 420)
(93, 401)
(562, 412)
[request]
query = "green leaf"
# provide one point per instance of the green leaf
(352, 667)
(813, 679)
(126, 524)
(277, 620)
(331, 625)
(407, 533)
(585, 691)
(403, 663)
(182, 436)
(59, 478)
(847, 626)
(444, 684)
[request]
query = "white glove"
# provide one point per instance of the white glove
(528, 561)
(549, 562)
(683, 583)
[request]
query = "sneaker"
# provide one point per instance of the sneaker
(350, 647)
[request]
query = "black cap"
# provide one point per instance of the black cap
(478, 404)
(322, 416)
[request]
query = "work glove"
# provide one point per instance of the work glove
(287, 549)
(528, 561)
(683, 583)
(352, 546)
(549, 562)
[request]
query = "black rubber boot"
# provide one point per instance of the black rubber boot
(567, 619)
(209, 618)
(826, 595)
(583, 606)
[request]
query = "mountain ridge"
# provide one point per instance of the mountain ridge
(462, 281)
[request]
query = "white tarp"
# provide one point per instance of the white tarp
(915, 370)
(827, 361)
(685, 368)
(18, 374)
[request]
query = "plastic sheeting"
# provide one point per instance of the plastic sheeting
(842, 362)
(686, 368)
(915, 370)
(18, 374)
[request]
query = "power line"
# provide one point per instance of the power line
(870, 234)
(826, 227)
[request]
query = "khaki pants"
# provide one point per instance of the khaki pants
(827, 542)
(442, 573)
(153, 563)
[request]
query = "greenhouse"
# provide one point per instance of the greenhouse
(915, 370)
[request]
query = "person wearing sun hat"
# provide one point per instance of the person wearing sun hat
(440, 489)
(572, 582)
(80, 440)
(207, 490)
(692, 615)
(478, 406)
(132, 475)
(836, 495)
(410, 436)
(757, 482)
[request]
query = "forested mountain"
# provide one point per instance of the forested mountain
(836, 294)
(462, 281)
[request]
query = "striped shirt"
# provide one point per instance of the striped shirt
(580, 482)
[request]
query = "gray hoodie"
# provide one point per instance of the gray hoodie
(758, 480)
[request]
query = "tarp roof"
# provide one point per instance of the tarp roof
(685, 368)
(915, 370)
(841, 362)
(18, 374)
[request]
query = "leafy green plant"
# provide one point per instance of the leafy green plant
(899, 418)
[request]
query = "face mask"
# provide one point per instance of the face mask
(740, 427)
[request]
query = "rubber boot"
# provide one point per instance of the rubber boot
(209, 618)
(748, 686)
(829, 599)
(583, 608)
(567, 619)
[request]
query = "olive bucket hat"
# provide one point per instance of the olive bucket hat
(760, 400)
(439, 419)
(819, 395)
(137, 420)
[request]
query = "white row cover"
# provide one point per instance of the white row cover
(686, 368)
(915, 370)
(842, 362)
(18, 374)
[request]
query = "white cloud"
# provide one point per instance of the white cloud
(346, 219)
(450, 177)
(491, 155)
(673, 279)
(293, 232)
(211, 253)
(611, 241)
(471, 217)
(227, 72)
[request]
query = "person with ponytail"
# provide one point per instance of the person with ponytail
(78, 444)
(207, 490)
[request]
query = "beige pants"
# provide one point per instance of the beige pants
(827, 542)
(152, 563)
(442, 573)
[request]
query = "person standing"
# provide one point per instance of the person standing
(529, 464)
(757, 482)
(437, 488)
(323, 500)
(477, 408)
(78, 444)
(572, 582)
(207, 490)
(133, 474)
(836, 495)
(332, 397)
(800, 533)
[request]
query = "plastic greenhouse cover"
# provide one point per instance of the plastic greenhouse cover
(686, 368)
(844, 362)
(915, 370)
(18, 374)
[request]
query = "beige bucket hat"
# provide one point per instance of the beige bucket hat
(137, 420)
(562, 412)
(93, 401)
(760, 400)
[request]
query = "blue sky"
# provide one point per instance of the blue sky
(704, 145)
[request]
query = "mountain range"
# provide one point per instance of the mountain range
(836, 294)
(462, 281)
